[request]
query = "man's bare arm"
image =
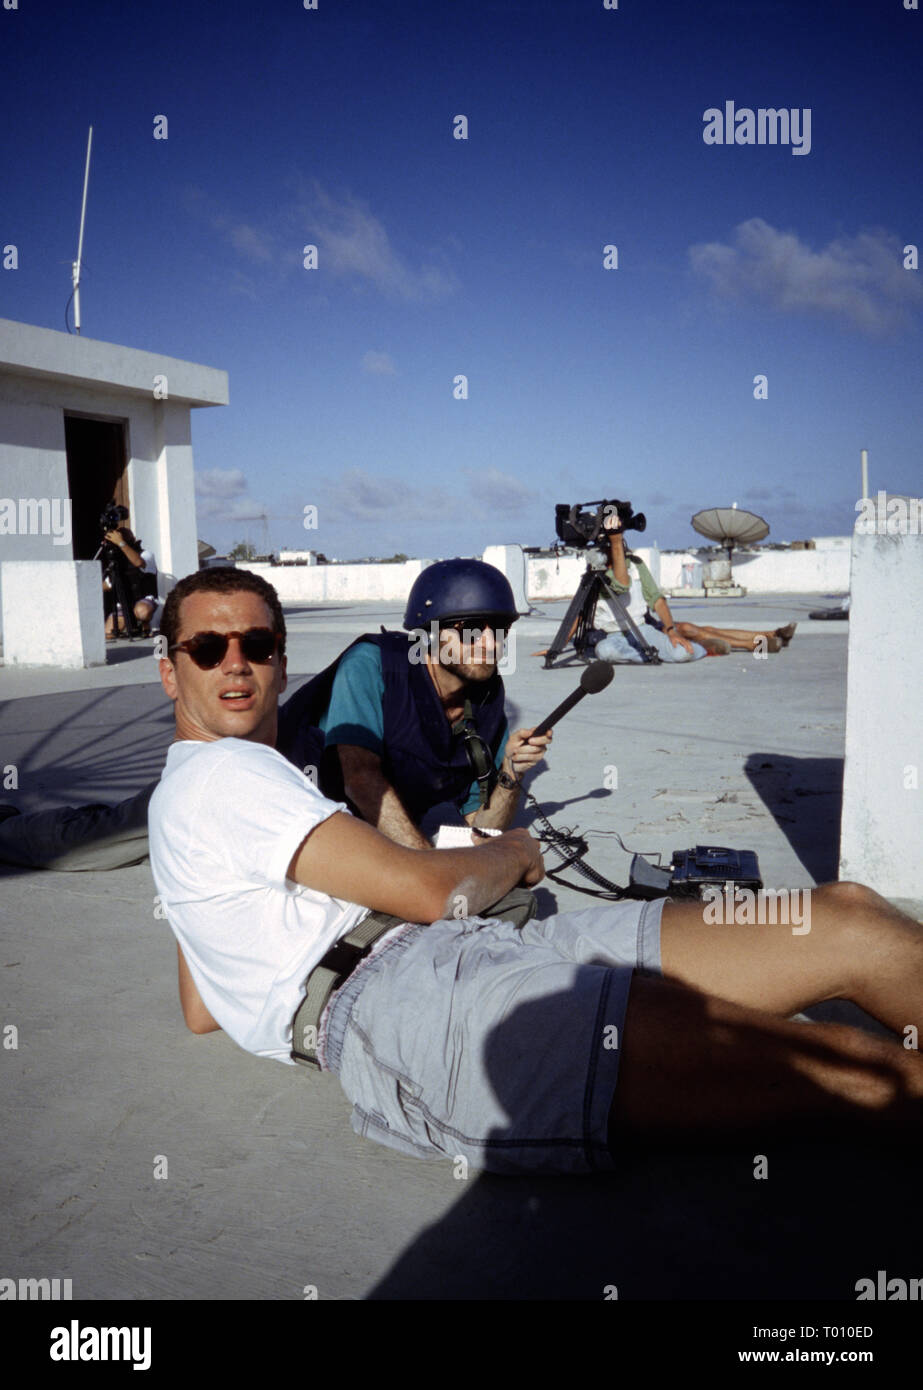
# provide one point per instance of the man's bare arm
(198, 1019)
(374, 797)
(347, 859)
(662, 609)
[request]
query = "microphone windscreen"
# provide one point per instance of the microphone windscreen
(596, 677)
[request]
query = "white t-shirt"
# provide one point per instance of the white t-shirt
(606, 616)
(224, 824)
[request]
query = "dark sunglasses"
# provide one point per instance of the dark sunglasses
(474, 628)
(208, 649)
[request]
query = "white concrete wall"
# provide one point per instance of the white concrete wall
(764, 572)
(821, 571)
(556, 577)
(881, 836)
(342, 583)
(71, 631)
(511, 563)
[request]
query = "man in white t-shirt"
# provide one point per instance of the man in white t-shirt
(518, 1049)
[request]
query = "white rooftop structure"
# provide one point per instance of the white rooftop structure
(83, 423)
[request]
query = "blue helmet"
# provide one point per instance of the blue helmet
(454, 589)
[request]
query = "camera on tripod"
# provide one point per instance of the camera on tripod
(583, 525)
(580, 526)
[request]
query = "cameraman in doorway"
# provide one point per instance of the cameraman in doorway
(123, 553)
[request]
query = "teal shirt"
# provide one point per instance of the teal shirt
(355, 712)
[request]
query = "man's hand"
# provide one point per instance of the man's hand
(679, 641)
(536, 868)
(523, 752)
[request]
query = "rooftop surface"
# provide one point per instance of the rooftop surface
(266, 1189)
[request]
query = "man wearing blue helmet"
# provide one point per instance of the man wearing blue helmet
(404, 722)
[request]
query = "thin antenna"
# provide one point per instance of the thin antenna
(75, 266)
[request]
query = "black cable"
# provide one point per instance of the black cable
(556, 840)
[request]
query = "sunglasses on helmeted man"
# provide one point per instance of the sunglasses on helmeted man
(474, 628)
(208, 649)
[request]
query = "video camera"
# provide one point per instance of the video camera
(113, 517)
(580, 526)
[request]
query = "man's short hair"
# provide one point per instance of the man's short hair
(222, 579)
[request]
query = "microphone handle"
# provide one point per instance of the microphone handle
(558, 713)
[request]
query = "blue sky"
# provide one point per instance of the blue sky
(484, 257)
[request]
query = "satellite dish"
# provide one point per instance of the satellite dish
(730, 526)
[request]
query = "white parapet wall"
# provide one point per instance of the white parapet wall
(511, 563)
(53, 613)
(341, 583)
(881, 835)
(557, 576)
(824, 570)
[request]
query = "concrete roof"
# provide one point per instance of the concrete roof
(43, 352)
(268, 1190)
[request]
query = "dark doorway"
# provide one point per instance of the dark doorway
(96, 456)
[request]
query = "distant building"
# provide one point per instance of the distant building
(297, 557)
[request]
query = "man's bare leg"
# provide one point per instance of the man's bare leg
(858, 947)
(740, 639)
(715, 1050)
(694, 1066)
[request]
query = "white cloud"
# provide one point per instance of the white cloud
(252, 242)
(246, 509)
(495, 491)
(352, 241)
(379, 364)
(363, 496)
(858, 279)
(220, 494)
(220, 482)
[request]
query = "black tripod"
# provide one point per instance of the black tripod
(582, 608)
(113, 572)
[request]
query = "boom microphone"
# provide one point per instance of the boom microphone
(595, 678)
